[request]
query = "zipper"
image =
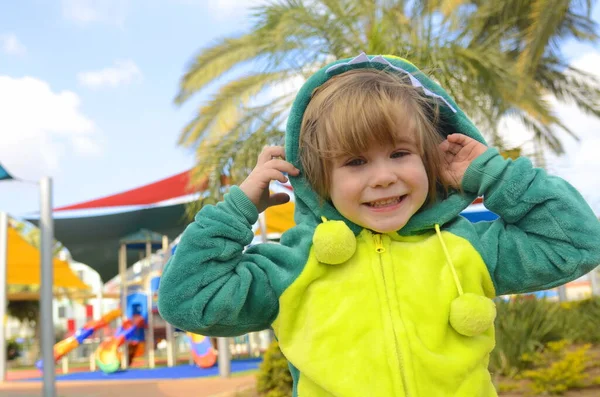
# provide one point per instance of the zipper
(380, 249)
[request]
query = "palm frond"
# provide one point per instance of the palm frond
(449, 7)
(211, 63)
(545, 19)
(219, 114)
(574, 86)
(544, 135)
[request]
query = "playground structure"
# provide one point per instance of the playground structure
(137, 322)
(203, 353)
(65, 346)
(107, 356)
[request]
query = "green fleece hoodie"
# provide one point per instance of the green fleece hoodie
(358, 313)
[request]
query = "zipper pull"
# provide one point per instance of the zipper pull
(378, 243)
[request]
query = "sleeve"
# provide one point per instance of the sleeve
(546, 235)
(210, 286)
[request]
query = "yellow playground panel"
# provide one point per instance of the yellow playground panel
(23, 265)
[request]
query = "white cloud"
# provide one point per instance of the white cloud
(225, 8)
(580, 165)
(11, 45)
(124, 72)
(84, 12)
(38, 127)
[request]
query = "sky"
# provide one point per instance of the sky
(87, 88)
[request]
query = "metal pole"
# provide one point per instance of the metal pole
(594, 282)
(562, 293)
(46, 297)
(170, 330)
(3, 302)
(224, 357)
(99, 312)
(123, 277)
(150, 336)
(262, 225)
(248, 345)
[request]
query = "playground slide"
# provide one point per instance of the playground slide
(65, 346)
(203, 353)
(108, 356)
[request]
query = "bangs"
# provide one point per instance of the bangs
(360, 121)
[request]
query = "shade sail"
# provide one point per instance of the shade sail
(4, 175)
(23, 267)
(172, 187)
(95, 240)
(279, 218)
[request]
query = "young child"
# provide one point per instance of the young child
(382, 288)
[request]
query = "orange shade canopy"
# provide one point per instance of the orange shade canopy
(279, 218)
(23, 265)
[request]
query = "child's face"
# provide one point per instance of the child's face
(382, 187)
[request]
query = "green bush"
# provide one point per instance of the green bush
(580, 321)
(523, 326)
(558, 368)
(274, 378)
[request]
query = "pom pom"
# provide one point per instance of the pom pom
(333, 242)
(472, 314)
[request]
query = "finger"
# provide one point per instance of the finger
(444, 146)
(283, 166)
(271, 174)
(278, 199)
(460, 139)
(269, 152)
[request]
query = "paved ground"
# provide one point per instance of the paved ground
(201, 387)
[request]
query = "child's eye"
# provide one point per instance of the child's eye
(355, 162)
(397, 155)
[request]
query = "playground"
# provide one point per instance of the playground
(122, 337)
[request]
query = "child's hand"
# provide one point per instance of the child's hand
(458, 151)
(271, 165)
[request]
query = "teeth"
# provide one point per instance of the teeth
(383, 203)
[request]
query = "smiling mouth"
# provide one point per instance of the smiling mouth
(388, 202)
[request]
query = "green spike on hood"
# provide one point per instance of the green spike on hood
(309, 208)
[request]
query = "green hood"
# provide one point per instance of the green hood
(308, 206)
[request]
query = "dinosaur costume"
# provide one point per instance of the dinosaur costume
(359, 313)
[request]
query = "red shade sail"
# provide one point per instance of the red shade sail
(165, 189)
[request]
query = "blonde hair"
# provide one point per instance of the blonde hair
(351, 111)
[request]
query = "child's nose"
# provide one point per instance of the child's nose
(383, 176)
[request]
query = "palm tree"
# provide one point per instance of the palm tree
(496, 58)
